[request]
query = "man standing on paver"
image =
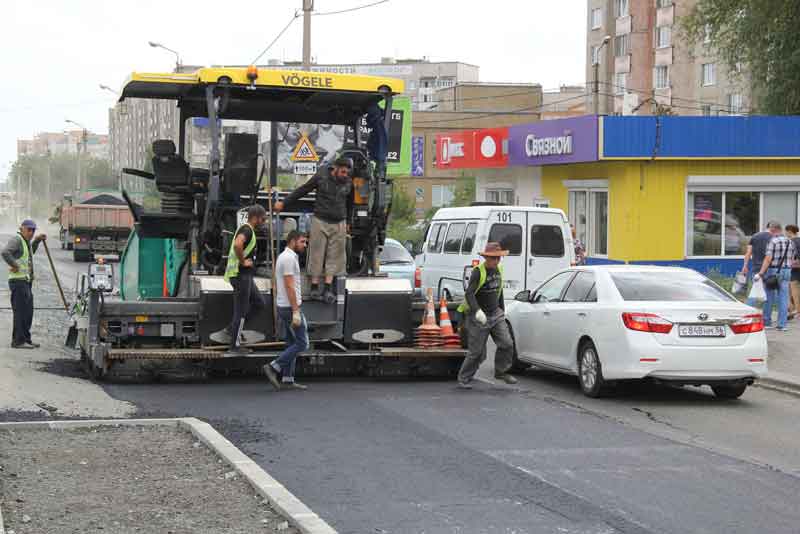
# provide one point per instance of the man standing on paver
(327, 254)
(756, 250)
(240, 273)
(777, 264)
(484, 314)
(289, 285)
(18, 254)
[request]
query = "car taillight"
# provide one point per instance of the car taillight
(749, 324)
(646, 322)
(418, 277)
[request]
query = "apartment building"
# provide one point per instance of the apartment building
(645, 67)
(68, 142)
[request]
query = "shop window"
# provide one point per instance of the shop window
(588, 213)
(441, 195)
(452, 243)
(500, 196)
(780, 206)
(469, 238)
(709, 234)
(509, 236)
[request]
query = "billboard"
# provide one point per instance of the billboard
(418, 156)
(472, 149)
(328, 139)
(554, 142)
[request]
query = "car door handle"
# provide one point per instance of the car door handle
(545, 312)
(530, 262)
(582, 314)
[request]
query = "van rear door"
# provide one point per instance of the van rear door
(548, 247)
(507, 227)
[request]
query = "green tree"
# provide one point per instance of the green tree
(403, 220)
(757, 38)
(464, 193)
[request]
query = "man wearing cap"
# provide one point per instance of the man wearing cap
(328, 233)
(484, 314)
(18, 254)
(240, 272)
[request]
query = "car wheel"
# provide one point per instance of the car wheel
(517, 366)
(590, 371)
(729, 391)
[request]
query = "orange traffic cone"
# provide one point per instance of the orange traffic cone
(428, 334)
(450, 338)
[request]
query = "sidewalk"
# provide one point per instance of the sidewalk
(784, 358)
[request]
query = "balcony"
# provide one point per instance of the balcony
(665, 16)
(622, 64)
(623, 25)
(663, 56)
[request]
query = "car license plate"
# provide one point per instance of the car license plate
(701, 330)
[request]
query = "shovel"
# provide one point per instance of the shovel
(72, 334)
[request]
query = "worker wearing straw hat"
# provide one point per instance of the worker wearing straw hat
(484, 315)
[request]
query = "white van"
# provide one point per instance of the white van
(539, 242)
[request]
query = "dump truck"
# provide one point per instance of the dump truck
(172, 292)
(99, 224)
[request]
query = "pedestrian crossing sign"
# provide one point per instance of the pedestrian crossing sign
(304, 151)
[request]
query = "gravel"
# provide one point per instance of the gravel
(124, 480)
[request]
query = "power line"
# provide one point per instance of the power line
(296, 15)
(323, 14)
(500, 113)
(727, 109)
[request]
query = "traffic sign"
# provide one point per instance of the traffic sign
(305, 167)
(304, 151)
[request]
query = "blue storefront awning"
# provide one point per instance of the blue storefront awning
(700, 137)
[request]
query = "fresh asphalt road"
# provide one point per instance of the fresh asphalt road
(400, 457)
(404, 457)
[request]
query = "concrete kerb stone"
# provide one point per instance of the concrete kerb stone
(2, 529)
(783, 382)
(285, 503)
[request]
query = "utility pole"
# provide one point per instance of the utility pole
(30, 191)
(596, 86)
(308, 6)
(49, 181)
(77, 167)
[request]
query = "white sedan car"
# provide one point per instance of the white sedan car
(611, 323)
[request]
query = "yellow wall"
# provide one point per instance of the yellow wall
(647, 200)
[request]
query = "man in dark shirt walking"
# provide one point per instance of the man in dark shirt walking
(327, 238)
(18, 254)
(484, 315)
(757, 251)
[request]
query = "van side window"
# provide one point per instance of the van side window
(509, 236)
(436, 237)
(453, 241)
(547, 240)
(469, 238)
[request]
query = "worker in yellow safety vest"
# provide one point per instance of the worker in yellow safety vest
(240, 272)
(483, 312)
(18, 254)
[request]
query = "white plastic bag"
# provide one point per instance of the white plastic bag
(757, 292)
(739, 283)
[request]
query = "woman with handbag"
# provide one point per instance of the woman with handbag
(776, 271)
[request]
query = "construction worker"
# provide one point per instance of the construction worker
(240, 273)
(18, 254)
(289, 286)
(328, 234)
(483, 311)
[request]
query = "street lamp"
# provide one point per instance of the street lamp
(596, 65)
(177, 56)
(107, 88)
(78, 150)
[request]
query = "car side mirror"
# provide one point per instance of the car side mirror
(523, 296)
(409, 247)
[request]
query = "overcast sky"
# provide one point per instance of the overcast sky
(55, 53)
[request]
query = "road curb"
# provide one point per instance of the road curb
(285, 503)
(2, 529)
(782, 382)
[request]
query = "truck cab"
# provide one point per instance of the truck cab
(539, 242)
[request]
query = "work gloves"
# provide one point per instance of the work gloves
(296, 320)
(480, 317)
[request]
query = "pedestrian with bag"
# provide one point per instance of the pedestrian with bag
(289, 285)
(792, 232)
(756, 250)
(776, 272)
(18, 254)
(483, 312)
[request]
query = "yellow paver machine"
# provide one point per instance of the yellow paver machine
(172, 293)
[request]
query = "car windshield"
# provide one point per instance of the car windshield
(668, 286)
(394, 254)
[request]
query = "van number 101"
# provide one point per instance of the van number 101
(504, 216)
